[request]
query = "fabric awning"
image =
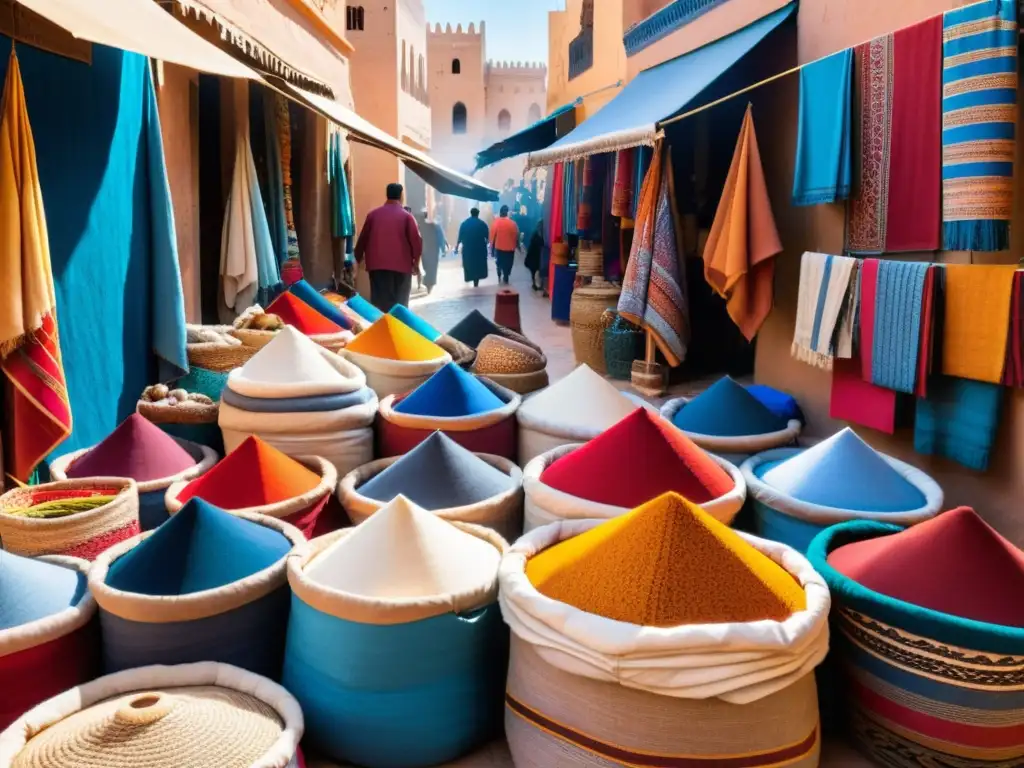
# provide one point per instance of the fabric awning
(540, 135)
(443, 179)
(276, 43)
(631, 119)
(139, 26)
(142, 27)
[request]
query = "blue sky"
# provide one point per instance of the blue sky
(517, 30)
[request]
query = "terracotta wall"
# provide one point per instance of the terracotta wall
(469, 46)
(179, 124)
(609, 55)
(413, 114)
(826, 26)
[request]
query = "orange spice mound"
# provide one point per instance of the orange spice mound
(391, 339)
(295, 312)
(252, 475)
(665, 564)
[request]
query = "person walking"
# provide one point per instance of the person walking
(389, 248)
(473, 240)
(433, 237)
(533, 251)
(504, 240)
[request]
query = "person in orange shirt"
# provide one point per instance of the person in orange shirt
(504, 241)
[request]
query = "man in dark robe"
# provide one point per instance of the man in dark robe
(473, 237)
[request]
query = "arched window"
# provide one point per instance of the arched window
(504, 121)
(421, 77)
(405, 77)
(456, 67)
(354, 17)
(534, 114)
(459, 118)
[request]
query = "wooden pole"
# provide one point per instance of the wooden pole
(651, 348)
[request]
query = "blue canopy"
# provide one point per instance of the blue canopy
(631, 119)
(539, 135)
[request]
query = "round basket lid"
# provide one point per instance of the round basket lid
(199, 727)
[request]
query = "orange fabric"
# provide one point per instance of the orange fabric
(665, 564)
(739, 257)
(391, 339)
(504, 234)
(295, 312)
(977, 321)
(39, 409)
(252, 475)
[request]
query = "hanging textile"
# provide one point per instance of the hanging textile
(867, 287)
(897, 87)
(977, 321)
(979, 114)
(824, 310)
(165, 290)
(274, 197)
(934, 295)
(625, 177)
(858, 401)
(292, 271)
(247, 263)
(39, 409)
(342, 215)
(641, 163)
(822, 173)
(1013, 368)
(899, 305)
(739, 256)
(584, 217)
(570, 201)
(610, 225)
(958, 420)
(654, 290)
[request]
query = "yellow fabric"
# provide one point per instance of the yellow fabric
(976, 321)
(391, 339)
(26, 280)
(664, 564)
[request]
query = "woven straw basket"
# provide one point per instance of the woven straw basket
(251, 337)
(82, 534)
(219, 357)
(591, 261)
(162, 717)
(502, 513)
(589, 303)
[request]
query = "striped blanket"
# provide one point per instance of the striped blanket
(824, 315)
(979, 109)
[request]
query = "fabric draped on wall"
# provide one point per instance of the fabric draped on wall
(273, 188)
(643, 156)
(739, 257)
(625, 178)
(654, 291)
(570, 201)
(111, 233)
(823, 167)
(313, 196)
(39, 411)
(585, 213)
(291, 273)
(979, 115)
(898, 80)
(342, 214)
(556, 189)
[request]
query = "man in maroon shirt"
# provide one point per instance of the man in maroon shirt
(389, 247)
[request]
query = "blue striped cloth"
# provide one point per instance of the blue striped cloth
(979, 110)
(958, 420)
(897, 335)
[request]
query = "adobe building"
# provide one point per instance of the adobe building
(475, 103)
(390, 85)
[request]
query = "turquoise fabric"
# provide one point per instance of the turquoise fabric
(726, 409)
(414, 321)
(112, 243)
(966, 633)
(823, 157)
(201, 547)
(450, 393)
(958, 420)
(268, 271)
(397, 695)
(203, 381)
(364, 309)
(32, 589)
(342, 214)
(319, 302)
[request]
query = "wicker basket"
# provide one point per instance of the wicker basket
(250, 337)
(190, 413)
(591, 261)
(649, 378)
(623, 343)
(589, 303)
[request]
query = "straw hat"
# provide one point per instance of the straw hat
(203, 715)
